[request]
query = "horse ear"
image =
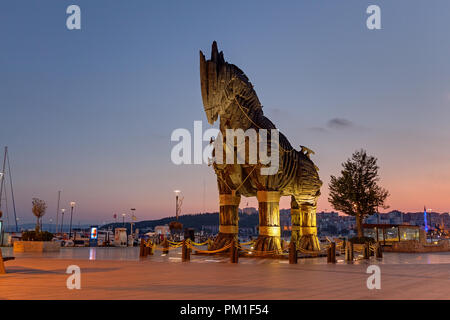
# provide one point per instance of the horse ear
(214, 52)
(204, 78)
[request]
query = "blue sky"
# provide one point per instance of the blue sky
(90, 111)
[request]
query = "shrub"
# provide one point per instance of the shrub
(37, 236)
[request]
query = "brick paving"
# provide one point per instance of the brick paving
(159, 277)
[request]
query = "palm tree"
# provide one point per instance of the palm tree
(39, 208)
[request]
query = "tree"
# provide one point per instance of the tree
(356, 191)
(39, 208)
(175, 226)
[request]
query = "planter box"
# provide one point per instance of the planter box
(36, 246)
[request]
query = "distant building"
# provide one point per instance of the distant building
(164, 230)
(249, 210)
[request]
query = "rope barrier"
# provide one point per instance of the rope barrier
(259, 252)
(247, 243)
(168, 248)
(199, 244)
(313, 251)
(207, 251)
(174, 242)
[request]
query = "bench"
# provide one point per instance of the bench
(2, 260)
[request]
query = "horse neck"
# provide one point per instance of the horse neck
(243, 112)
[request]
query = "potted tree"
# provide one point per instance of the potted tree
(37, 240)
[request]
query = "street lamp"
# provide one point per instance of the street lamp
(72, 205)
(177, 203)
(123, 219)
(62, 220)
(133, 218)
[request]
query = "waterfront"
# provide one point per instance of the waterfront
(117, 273)
(132, 254)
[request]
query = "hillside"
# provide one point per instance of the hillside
(195, 221)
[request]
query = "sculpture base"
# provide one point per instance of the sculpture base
(268, 244)
(309, 242)
(222, 240)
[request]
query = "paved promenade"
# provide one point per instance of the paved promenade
(206, 278)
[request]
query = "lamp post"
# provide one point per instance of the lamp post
(62, 220)
(72, 205)
(177, 203)
(123, 219)
(133, 217)
(57, 212)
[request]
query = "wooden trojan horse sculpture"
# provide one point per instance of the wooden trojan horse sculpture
(227, 92)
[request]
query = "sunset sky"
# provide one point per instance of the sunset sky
(90, 112)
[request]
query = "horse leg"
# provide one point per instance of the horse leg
(269, 222)
(228, 220)
(308, 227)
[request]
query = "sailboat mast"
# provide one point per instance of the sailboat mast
(57, 212)
(12, 190)
(3, 177)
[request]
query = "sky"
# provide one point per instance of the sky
(90, 112)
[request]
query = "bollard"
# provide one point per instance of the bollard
(166, 246)
(185, 252)
(234, 252)
(379, 251)
(188, 251)
(292, 253)
(366, 251)
(331, 253)
(153, 248)
(142, 249)
(210, 244)
(349, 251)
